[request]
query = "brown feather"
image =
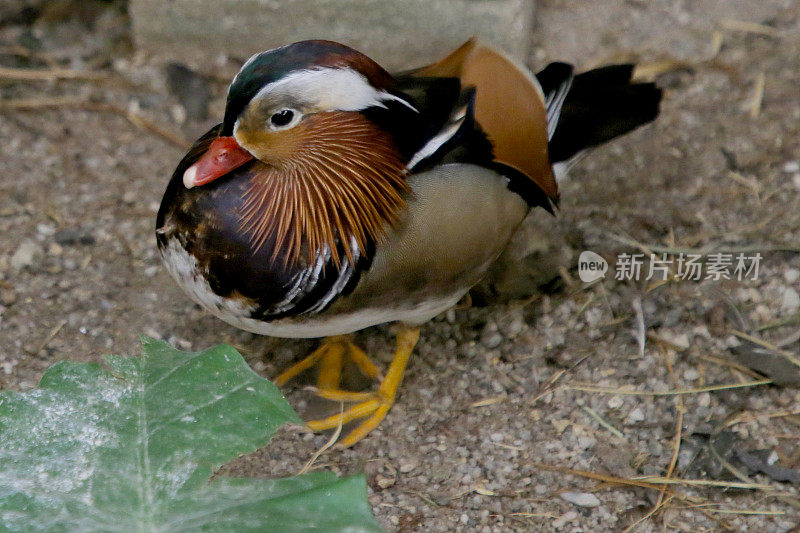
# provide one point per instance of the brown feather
(338, 176)
(509, 107)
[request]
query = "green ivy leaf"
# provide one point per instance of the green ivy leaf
(132, 449)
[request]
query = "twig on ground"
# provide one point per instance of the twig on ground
(789, 339)
(32, 104)
(21, 51)
(750, 183)
(748, 512)
(768, 345)
(629, 392)
(603, 423)
(790, 320)
(325, 447)
(709, 507)
(649, 71)
(738, 474)
(657, 507)
(660, 480)
(548, 387)
(749, 27)
(489, 401)
(660, 503)
(657, 248)
(614, 480)
(536, 515)
(758, 95)
(732, 365)
(53, 332)
(27, 74)
(641, 329)
(750, 417)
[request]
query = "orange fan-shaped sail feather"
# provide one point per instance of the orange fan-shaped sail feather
(509, 106)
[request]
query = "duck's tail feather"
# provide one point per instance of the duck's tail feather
(600, 105)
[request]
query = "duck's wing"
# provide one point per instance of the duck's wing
(509, 107)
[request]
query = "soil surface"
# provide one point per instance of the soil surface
(490, 424)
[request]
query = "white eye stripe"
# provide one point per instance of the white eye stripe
(329, 89)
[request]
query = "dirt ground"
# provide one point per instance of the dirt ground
(490, 427)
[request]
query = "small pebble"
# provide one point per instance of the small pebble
(7, 295)
(492, 340)
(635, 416)
(790, 301)
(593, 316)
(691, 374)
(45, 229)
(773, 458)
(681, 340)
(405, 468)
(384, 482)
(130, 197)
(72, 236)
(26, 255)
(791, 166)
(791, 275)
(703, 399)
(615, 402)
(581, 499)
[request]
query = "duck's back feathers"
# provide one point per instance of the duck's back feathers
(509, 107)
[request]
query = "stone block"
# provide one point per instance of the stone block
(396, 33)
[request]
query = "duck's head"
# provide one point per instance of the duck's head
(289, 101)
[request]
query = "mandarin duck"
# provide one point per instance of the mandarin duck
(335, 196)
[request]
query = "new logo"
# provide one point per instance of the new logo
(591, 267)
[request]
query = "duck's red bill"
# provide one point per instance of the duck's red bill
(223, 155)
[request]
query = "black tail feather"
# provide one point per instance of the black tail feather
(555, 81)
(602, 104)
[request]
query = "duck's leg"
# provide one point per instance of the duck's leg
(380, 402)
(328, 383)
(330, 359)
(364, 363)
(329, 348)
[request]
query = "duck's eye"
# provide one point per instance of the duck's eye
(283, 118)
